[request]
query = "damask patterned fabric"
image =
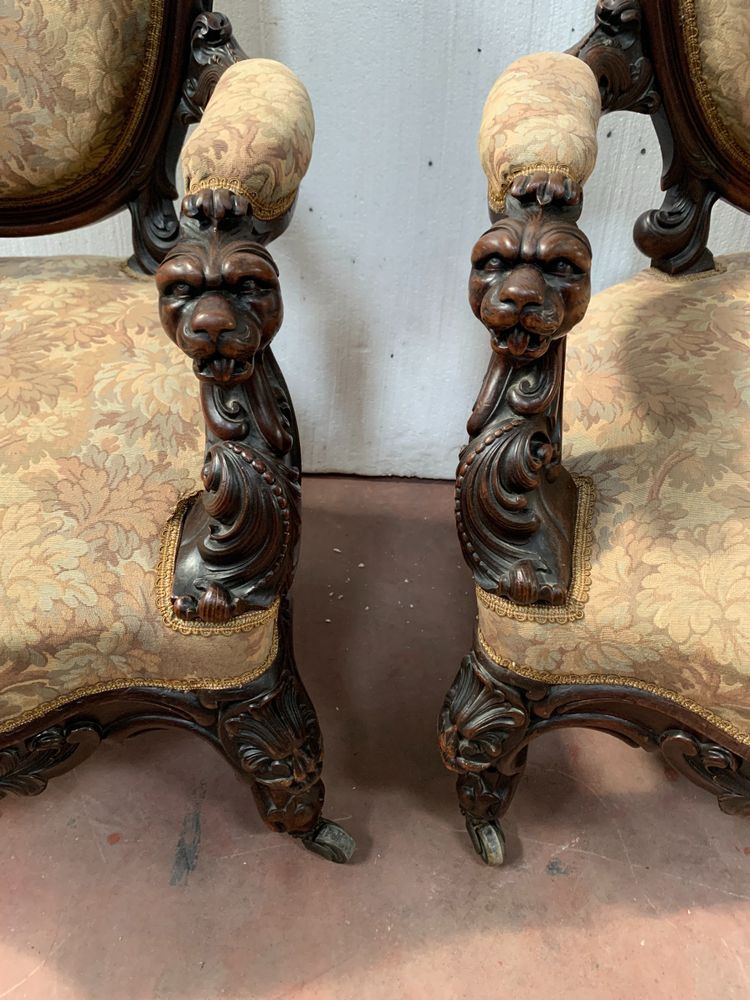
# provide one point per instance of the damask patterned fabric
(73, 79)
(657, 413)
(101, 436)
(718, 38)
(255, 137)
(542, 113)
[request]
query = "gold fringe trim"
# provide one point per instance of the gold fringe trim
(680, 279)
(198, 684)
(111, 160)
(170, 540)
(260, 209)
(724, 137)
(496, 196)
(548, 677)
(573, 609)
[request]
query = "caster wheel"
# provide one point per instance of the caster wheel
(488, 841)
(330, 841)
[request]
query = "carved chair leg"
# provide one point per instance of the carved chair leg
(273, 739)
(482, 731)
(483, 798)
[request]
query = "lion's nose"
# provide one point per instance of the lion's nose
(523, 287)
(212, 316)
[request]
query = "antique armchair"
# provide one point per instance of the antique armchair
(612, 573)
(133, 600)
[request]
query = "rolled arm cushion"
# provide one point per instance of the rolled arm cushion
(255, 137)
(541, 114)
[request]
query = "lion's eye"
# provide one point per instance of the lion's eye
(494, 263)
(250, 286)
(562, 268)
(279, 769)
(180, 290)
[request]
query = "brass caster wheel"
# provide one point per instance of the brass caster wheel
(488, 841)
(330, 841)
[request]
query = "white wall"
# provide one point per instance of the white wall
(382, 354)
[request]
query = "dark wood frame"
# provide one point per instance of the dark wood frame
(267, 729)
(637, 51)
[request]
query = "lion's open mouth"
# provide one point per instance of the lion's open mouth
(221, 369)
(519, 342)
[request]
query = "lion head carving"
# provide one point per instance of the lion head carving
(530, 277)
(219, 294)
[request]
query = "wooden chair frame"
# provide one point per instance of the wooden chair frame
(267, 730)
(640, 52)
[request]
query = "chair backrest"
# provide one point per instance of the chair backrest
(686, 63)
(89, 92)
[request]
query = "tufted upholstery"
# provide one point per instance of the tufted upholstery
(255, 137)
(73, 82)
(101, 436)
(657, 412)
(541, 113)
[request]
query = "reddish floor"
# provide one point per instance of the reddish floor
(625, 882)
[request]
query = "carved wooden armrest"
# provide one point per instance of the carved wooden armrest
(529, 285)
(220, 302)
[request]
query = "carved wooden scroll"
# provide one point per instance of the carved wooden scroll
(213, 48)
(220, 302)
(619, 52)
(529, 285)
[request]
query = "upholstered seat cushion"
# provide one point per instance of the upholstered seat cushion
(657, 414)
(101, 437)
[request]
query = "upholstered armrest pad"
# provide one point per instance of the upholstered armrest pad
(541, 114)
(255, 137)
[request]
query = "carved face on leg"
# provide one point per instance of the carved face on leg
(530, 279)
(220, 302)
(279, 743)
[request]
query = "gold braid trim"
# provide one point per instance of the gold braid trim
(125, 683)
(116, 154)
(260, 209)
(723, 136)
(578, 595)
(496, 196)
(548, 677)
(170, 540)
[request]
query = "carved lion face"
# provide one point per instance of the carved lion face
(530, 280)
(280, 745)
(220, 302)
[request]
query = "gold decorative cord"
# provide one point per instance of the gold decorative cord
(549, 677)
(260, 209)
(721, 133)
(170, 541)
(496, 196)
(578, 595)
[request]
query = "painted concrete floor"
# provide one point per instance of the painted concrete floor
(623, 881)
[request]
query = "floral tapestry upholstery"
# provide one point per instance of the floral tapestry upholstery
(101, 437)
(657, 414)
(255, 137)
(73, 81)
(717, 36)
(541, 114)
